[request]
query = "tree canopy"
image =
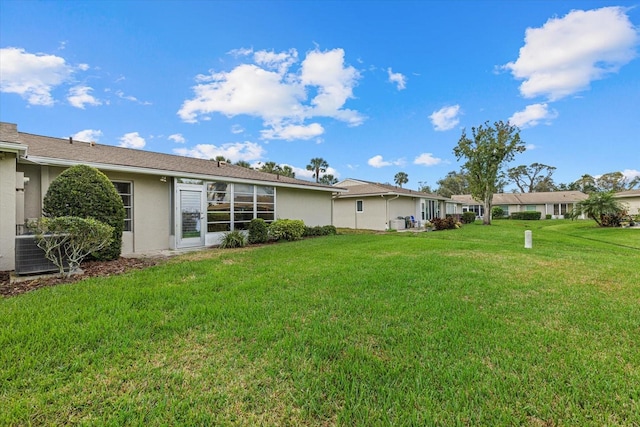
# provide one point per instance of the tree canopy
(453, 183)
(533, 178)
(485, 155)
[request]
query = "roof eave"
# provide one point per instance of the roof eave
(48, 161)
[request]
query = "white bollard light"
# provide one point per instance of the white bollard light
(528, 239)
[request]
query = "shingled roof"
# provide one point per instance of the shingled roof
(67, 152)
(527, 198)
(360, 188)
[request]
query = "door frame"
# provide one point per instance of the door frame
(189, 242)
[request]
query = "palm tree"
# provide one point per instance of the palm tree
(318, 165)
(401, 178)
(243, 164)
(328, 179)
(598, 206)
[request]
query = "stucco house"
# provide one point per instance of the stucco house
(171, 201)
(374, 206)
(555, 203)
(631, 199)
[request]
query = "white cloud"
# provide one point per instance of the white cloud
(276, 61)
(80, 96)
(177, 137)
(334, 83)
(83, 67)
(446, 118)
(303, 173)
(247, 151)
(531, 147)
(630, 174)
(399, 79)
(427, 159)
(271, 90)
(87, 135)
(32, 76)
(566, 54)
(132, 140)
(379, 162)
(532, 115)
(291, 132)
(237, 129)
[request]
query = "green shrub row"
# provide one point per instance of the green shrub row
(282, 229)
(325, 230)
(528, 215)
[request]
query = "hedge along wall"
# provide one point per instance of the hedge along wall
(529, 215)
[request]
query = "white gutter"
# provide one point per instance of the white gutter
(164, 172)
(12, 147)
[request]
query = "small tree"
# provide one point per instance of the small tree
(68, 240)
(258, 231)
(485, 154)
(603, 208)
(85, 192)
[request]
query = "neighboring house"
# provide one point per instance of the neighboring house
(171, 201)
(373, 206)
(631, 199)
(554, 203)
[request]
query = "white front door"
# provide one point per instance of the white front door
(190, 218)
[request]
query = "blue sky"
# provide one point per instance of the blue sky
(373, 87)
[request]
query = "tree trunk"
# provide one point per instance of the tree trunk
(486, 218)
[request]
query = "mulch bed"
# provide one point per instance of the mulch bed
(90, 269)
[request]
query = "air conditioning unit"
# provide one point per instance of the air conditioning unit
(30, 258)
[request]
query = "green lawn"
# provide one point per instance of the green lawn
(459, 327)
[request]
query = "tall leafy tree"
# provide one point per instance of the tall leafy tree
(485, 155)
(424, 187)
(318, 166)
(616, 181)
(533, 178)
(586, 184)
(401, 178)
(453, 183)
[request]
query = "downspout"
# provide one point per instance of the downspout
(387, 209)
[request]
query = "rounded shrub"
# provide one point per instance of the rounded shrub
(468, 217)
(85, 192)
(286, 229)
(258, 231)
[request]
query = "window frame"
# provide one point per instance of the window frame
(359, 206)
(128, 209)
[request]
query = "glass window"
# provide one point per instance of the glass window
(359, 206)
(233, 206)
(124, 190)
(530, 208)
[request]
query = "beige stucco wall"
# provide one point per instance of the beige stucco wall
(313, 207)
(376, 214)
(151, 213)
(632, 204)
(7, 210)
(151, 205)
